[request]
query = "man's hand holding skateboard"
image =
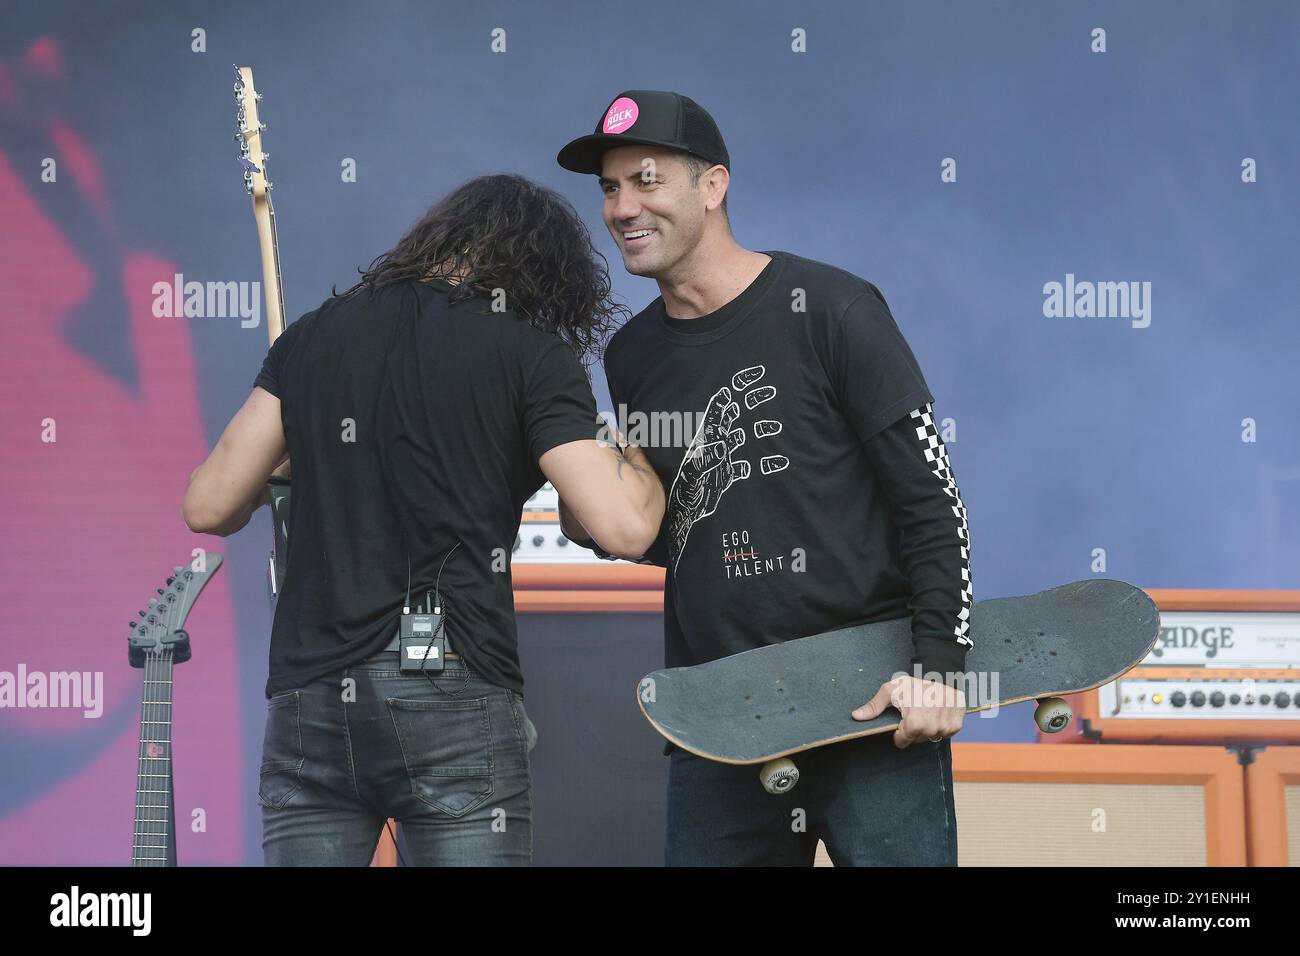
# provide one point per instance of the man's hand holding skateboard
(930, 710)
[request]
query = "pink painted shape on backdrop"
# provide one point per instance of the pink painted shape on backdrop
(91, 527)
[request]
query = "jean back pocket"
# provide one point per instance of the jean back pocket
(447, 747)
(282, 757)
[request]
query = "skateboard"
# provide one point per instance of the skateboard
(763, 705)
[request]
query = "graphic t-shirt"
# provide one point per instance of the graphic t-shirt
(807, 486)
(412, 425)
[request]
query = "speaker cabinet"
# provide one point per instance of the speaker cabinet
(1273, 807)
(1058, 805)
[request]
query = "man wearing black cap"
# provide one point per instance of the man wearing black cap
(807, 490)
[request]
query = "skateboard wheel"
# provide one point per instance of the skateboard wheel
(779, 776)
(1053, 714)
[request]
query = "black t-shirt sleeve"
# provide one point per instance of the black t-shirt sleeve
(271, 377)
(558, 404)
(875, 376)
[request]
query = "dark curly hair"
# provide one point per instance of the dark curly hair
(506, 232)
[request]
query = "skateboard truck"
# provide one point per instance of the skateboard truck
(1052, 715)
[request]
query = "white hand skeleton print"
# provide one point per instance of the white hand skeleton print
(710, 465)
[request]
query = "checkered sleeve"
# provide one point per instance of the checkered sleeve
(913, 469)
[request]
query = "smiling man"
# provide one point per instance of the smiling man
(814, 494)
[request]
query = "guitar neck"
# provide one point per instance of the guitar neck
(153, 842)
(269, 243)
(249, 126)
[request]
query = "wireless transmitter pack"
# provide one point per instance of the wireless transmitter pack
(422, 641)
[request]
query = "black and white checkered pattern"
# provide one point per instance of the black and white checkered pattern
(937, 456)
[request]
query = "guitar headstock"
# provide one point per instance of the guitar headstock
(248, 132)
(252, 161)
(163, 618)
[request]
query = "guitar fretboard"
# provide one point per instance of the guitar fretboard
(152, 843)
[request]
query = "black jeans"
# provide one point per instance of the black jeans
(446, 755)
(871, 803)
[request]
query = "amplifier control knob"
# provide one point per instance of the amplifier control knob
(1198, 699)
(1283, 699)
(1264, 699)
(1234, 699)
(1216, 699)
(1178, 698)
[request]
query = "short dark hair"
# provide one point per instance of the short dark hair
(507, 232)
(698, 167)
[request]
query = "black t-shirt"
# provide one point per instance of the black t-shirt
(411, 423)
(815, 492)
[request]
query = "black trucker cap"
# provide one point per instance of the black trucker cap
(652, 117)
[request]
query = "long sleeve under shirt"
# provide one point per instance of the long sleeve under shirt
(807, 485)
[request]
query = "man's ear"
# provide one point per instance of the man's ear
(716, 181)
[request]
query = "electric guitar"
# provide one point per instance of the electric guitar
(252, 161)
(157, 642)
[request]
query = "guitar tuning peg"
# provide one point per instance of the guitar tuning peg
(142, 613)
(133, 625)
(266, 156)
(161, 591)
(258, 97)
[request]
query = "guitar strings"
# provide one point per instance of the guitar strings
(156, 669)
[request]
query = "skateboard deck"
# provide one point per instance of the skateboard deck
(784, 698)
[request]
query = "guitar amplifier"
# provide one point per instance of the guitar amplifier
(1216, 674)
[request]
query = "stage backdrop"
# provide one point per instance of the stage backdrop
(967, 158)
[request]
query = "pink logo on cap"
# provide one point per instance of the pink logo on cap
(622, 114)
